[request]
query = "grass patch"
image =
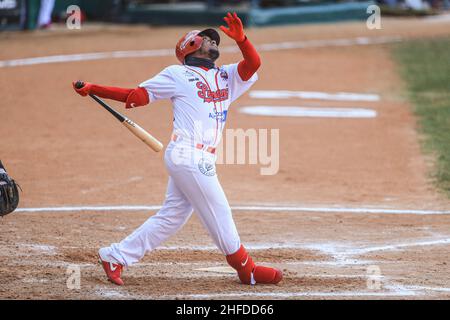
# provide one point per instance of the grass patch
(425, 66)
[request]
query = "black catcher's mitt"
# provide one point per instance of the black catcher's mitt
(9, 194)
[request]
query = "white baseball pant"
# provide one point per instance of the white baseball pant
(193, 185)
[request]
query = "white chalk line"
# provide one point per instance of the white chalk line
(361, 210)
(359, 41)
(85, 57)
(406, 291)
(290, 294)
(312, 95)
(37, 247)
(111, 293)
(308, 112)
(397, 247)
(394, 290)
(90, 208)
(437, 289)
(339, 250)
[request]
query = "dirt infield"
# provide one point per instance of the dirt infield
(351, 214)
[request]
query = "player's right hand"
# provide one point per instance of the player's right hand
(235, 28)
(85, 90)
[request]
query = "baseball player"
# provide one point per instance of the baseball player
(201, 94)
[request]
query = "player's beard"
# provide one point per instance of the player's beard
(213, 54)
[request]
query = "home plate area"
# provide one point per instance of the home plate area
(322, 255)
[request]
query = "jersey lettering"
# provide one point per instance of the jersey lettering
(211, 96)
(198, 96)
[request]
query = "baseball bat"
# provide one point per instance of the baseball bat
(143, 135)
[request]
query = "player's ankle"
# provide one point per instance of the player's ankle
(243, 264)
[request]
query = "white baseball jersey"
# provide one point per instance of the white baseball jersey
(200, 98)
(200, 101)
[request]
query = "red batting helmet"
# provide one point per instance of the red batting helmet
(192, 41)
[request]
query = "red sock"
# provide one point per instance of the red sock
(243, 264)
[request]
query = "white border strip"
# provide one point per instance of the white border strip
(361, 210)
(170, 52)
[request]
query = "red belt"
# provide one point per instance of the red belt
(200, 146)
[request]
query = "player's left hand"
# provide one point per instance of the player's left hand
(84, 90)
(235, 28)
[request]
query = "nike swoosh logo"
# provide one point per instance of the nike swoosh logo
(245, 262)
(112, 267)
(133, 105)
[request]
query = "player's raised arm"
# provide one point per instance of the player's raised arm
(251, 63)
(131, 97)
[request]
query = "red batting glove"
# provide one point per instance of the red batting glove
(235, 28)
(83, 91)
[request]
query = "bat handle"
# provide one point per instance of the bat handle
(79, 84)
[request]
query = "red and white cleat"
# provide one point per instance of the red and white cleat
(266, 275)
(113, 270)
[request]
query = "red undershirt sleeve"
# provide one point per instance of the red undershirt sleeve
(132, 97)
(113, 93)
(251, 63)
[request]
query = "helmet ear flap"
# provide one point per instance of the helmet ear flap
(193, 46)
(190, 43)
(197, 42)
